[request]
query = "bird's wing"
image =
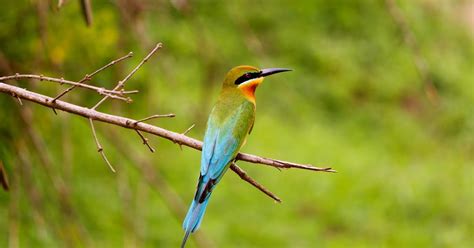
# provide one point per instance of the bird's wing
(222, 141)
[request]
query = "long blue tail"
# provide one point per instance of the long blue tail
(196, 211)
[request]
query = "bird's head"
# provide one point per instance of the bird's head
(247, 78)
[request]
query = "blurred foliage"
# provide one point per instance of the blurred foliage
(355, 101)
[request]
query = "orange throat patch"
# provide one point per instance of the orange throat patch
(248, 89)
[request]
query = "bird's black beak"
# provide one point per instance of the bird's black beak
(270, 71)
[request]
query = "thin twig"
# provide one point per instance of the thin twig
(99, 147)
(19, 99)
(129, 55)
(130, 124)
(145, 141)
(280, 164)
(184, 133)
(189, 129)
(244, 176)
(154, 117)
(102, 91)
(88, 77)
(121, 83)
(86, 11)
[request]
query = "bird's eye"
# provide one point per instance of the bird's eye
(246, 76)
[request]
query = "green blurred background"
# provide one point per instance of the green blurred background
(400, 135)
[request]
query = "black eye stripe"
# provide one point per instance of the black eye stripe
(247, 76)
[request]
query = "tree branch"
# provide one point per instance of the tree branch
(244, 176)
(144, 127)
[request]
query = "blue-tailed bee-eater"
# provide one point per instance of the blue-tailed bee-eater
(230, 122)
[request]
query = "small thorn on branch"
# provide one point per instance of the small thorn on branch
(145, 141)
(244, 176)
(99, 147)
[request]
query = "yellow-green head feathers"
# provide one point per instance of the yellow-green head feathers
(246, 78)
(237, 75)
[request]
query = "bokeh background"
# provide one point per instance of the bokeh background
(382, 91)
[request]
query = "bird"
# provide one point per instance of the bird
(230, 122)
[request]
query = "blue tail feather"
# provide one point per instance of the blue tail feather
(185, 238)
(193, 218)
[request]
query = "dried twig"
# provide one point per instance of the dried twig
(19, 99)
(88, 77)
(189, 129)
(99, 147)
(145, 141)
(184, 133)
(102, 91)
(119, 86)
(131, 124)
(121, 83)
(244, 176)
(154, 117)
(280, 164)
(87, 11)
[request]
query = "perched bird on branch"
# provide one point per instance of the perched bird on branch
(230, 122)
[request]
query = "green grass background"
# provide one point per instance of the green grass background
(355, 101)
